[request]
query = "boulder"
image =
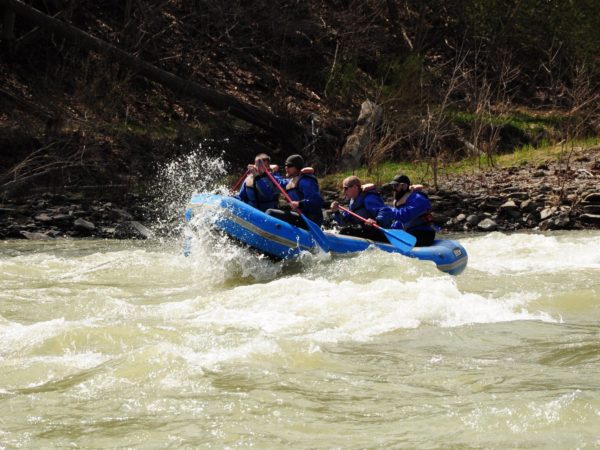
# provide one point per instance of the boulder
(528, 206)
(547, 212)
(34, 236)
(519, 195)
(133, 230)
(487, 225)
(84, 226)
(473, 219)
(510, 209)
(368, 120)
(43, 217)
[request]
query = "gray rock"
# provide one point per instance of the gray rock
(473, 219)
(108, 231)
(460, 218)
(120, 215)
(43, 217)
(560, 223)
(487, 225)
(519, 195)
(133, 230)
(547, 212)
(83, 225)
(34, 236)
(508, 205)
(528, 206)
(62, 218)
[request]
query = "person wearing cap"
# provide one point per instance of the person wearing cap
(366, 202)
(258, 190)
(303, 188)
(412, 211)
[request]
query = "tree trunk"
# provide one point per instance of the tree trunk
(286, 130)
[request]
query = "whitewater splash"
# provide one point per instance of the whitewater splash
(175, 182)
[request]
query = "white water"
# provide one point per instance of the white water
(107, 344)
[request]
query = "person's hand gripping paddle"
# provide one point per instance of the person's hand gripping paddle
(316, 233)
(398, 238)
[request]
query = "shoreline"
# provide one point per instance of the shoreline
(549, 196)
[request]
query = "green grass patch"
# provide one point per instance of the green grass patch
(383, 173)
(421, 173)
(520, 120)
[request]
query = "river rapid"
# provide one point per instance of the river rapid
(108, 344)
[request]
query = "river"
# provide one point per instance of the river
(109, 344)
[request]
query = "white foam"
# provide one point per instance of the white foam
(498, 253)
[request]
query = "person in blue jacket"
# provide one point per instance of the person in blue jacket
(412, 212)
(257, 189)
(303, 188)
(366, 202)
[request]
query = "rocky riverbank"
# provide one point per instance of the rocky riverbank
(549, 196)
(55, 216)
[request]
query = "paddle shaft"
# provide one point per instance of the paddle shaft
(353, 214)
(317, 235)
(239, 182)
(404, 241)
(282, 190)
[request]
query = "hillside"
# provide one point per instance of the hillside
(452, 78)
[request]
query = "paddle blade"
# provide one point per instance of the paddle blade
(400, 239)
(317, 234)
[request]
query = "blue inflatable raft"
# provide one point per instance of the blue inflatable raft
(281, 240)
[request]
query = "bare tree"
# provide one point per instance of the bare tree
(488, 100)
(583, 98)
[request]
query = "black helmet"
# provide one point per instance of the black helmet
(295, 161)
(401, 179)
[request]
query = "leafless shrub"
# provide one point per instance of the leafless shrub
(44, 161)
(583, 98)
(488, 100)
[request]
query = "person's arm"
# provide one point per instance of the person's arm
(242, 194)
(415, 206)
(341, 217)
(385, 217)
(377, 208)
(311, 196)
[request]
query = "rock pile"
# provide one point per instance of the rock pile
(52, 216)
(544, 197)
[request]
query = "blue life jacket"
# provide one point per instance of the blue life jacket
(370, 205)
(414, 214)
(305, 189)
(259, 192)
